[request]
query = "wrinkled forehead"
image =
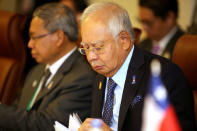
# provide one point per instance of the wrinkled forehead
(93, 30)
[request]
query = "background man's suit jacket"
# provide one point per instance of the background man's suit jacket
(146, 44)
(70, 92)
(130, 115)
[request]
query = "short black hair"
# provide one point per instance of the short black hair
(80, 5)
(42, 2)
(161, 8)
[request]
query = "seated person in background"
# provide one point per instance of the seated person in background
(159, 20)
(124, 72)
(27, 7)
(53, 32)
(78, 7)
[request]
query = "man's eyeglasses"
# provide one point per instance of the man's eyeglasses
(39, 36)
(97, 47)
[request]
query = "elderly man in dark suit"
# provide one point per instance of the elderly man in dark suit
(67, 90)
(119, 90)
(159, 21)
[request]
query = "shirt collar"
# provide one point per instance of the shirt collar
(163, 42)
(120, 77)
(54, 67)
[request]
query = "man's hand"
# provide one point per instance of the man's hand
(86, 125)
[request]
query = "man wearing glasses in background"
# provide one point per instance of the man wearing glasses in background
(159, 21)
(61, 84)
(124, 72)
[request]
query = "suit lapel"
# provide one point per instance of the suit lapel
(98, 96)
(167, 53)
(65, 67)
(28, 92)
(53, 83)
(131, 84)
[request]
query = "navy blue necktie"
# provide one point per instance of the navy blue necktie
(108, 106)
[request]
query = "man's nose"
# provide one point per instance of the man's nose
(30, 43)
(91, 55)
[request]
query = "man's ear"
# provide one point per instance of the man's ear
(171, 18)
(124, 40)
(59, 37)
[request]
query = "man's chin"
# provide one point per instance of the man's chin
(38, 60)
(102, 72)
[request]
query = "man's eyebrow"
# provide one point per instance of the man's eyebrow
(93, 43)
(97, 42)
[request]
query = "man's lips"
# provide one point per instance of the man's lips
(97, 67)
(33, 55)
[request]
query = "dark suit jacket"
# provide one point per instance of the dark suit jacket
(147, 44)
(70, 92)
(130, 115)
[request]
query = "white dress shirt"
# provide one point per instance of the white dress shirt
(164, 41)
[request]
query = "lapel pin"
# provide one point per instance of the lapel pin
(50, 85)
(133, 80)
(100, 85)
(34, 83)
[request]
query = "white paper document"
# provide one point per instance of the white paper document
(74, 124)
(59, 127)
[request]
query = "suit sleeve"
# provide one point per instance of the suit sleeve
(68, 98)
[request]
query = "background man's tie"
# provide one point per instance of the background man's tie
(108, 106)
(41, 84)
